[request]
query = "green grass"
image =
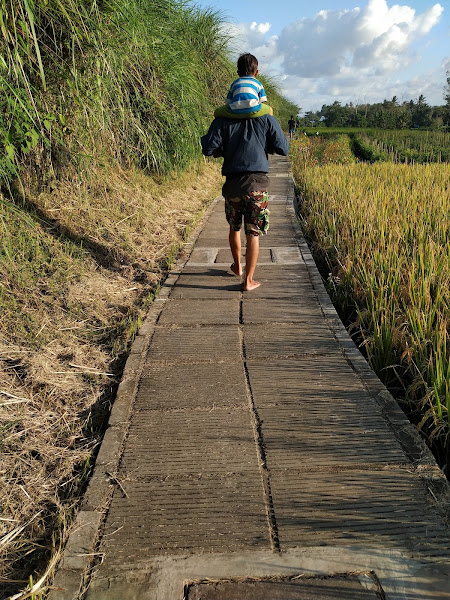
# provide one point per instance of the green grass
(31, 259)
(83, 82)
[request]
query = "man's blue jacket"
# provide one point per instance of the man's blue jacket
(245, 143)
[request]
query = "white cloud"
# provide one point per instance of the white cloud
(424, 23)
(260, 27)
(338, 52)
(248, 37)
(374, 36)
(319, 46)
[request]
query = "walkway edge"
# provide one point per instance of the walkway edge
(434, 480)
(79, 555)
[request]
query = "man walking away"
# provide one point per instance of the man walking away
(245, 145)
(291, 125)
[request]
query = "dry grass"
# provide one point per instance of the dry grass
(63, 336)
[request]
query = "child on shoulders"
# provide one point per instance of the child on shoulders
(246, 97)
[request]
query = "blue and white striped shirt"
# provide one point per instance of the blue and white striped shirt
(245, 95)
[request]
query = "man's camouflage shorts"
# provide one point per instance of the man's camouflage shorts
(253, 208)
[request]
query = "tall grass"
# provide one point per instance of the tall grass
(135, 80)
(87, 80)
(383, 230)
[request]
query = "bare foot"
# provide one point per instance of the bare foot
(237, 270)
(251, 285)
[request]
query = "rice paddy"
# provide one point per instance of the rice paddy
(410, 145)
(381, 233)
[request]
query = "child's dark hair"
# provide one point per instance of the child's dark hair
(246, 65)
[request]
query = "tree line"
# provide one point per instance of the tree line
(389, 114)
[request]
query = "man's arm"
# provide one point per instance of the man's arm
(276, 140)
(212, 142)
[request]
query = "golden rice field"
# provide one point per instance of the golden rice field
(383, 233)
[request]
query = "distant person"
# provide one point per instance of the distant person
(245, 145)
(246, 96)
(291, 126)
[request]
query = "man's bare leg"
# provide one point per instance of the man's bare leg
(251, 258)
(234, 238)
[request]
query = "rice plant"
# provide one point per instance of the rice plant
(382, 145)
(410, 145)
(383, 233)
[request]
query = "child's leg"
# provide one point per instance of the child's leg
(224, 111)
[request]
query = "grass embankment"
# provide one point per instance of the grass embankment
(101, 110)
(381, 234)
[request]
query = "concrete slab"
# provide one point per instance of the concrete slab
(281, 281)
(126, 584)
(195, 344)
(286, 256)
(180, 385)
(186, 441)
(287, 339)
(201, 312)
(214, 240)
(224, 256)
(274, 310)
(280, 190)
(277, 200)
(218, 215)
(280, 228)
(373, 508)
(179, 515)
(278, 186)
(206, 283)
(303, 377)
(290, 438)
(203, 256)
(273, 239)
(329, 588)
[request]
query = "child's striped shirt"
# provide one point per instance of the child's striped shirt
(245, 95)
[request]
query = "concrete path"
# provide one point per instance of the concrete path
(259, 456)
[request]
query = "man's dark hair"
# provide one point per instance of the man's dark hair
(246, 65)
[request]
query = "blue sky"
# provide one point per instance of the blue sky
(344, 50)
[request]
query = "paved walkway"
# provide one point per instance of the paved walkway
(260, 454)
